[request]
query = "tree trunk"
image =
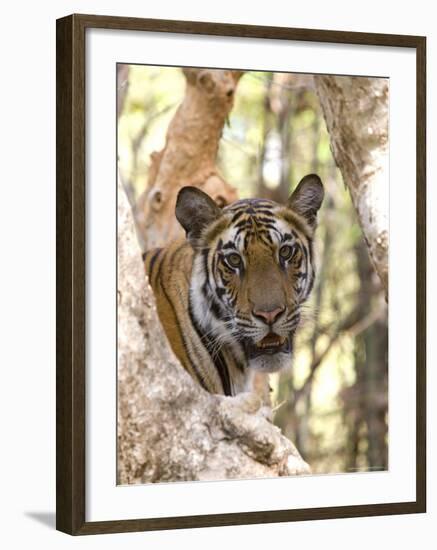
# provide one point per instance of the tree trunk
(356, 114)
(189, 155)
(169, 429)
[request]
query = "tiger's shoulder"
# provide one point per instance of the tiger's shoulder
(171, 264)
(169, 271)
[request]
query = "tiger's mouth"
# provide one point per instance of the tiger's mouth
(269, 345)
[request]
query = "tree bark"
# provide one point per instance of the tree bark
(356, 114)
(189, 155)
(122, 86)
(169, 429)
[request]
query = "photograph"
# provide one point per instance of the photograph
(252, 273)
(241, 274)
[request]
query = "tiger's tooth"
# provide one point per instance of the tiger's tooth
(271, 341)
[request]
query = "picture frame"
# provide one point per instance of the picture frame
(71, 205)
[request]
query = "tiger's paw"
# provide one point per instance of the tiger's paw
(245, 419)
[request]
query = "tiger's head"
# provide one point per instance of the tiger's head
(252, 270)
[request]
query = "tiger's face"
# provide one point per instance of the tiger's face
(252, 270)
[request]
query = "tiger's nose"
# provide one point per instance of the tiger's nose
(269, 317)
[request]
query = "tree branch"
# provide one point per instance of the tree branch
(356, 114)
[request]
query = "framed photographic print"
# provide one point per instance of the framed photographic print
(240, 274)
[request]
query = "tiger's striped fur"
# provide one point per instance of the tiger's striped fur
(229, 295)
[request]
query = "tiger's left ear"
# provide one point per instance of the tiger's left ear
(195, 210)
(307, 198)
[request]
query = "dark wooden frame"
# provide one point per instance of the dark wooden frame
(70, 297)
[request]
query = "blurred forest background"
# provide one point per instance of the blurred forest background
(333, 403)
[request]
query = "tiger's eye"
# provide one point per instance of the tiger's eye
(286, 252)
(234, 260)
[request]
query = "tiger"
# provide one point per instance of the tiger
(229, 295)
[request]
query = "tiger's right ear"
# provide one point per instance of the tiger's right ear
(195, 210)
(307, 198)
